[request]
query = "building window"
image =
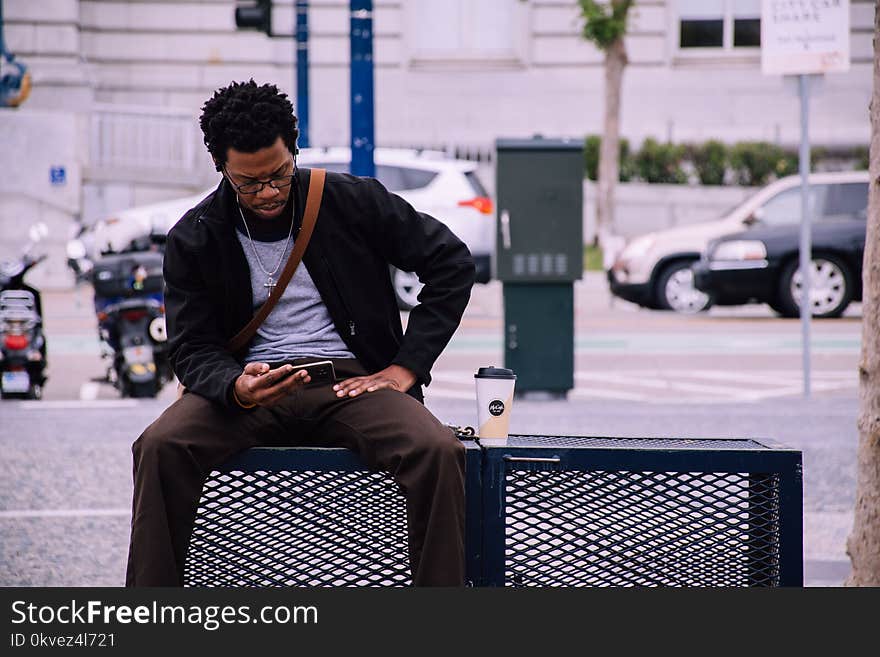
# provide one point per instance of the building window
(475, 31)
(723, 25)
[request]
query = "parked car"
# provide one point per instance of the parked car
(762, 265)
(445, 188)
(141, 228)
(654, 270)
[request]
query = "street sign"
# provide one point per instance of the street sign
(803, 38)
(57, 175)
(800, 37)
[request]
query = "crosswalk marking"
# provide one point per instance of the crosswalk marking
(581, 392)
(661, 384)
(480, 341)
(64, 513)
(639, 385)
(670, 386)
(447, 393)
(475, 342)
(73, 404)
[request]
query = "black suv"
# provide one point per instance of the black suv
(761, 264)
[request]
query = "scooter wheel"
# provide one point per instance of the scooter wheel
(157, 329)
(146, 389)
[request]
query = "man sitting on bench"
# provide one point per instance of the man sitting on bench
(223, 261)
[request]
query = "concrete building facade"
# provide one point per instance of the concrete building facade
(118, 85)
(447, 71)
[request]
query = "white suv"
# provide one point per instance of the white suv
(447, 189)
(654, 270)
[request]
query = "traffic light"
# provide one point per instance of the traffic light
(257, 16)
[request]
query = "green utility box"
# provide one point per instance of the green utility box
(539, 188)
(538, 256)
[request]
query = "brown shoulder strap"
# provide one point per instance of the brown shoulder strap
(310, 216)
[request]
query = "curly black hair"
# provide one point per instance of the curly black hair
(247, 117)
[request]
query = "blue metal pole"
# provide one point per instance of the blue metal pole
(362, 120)
(302, 71)
(2, 43)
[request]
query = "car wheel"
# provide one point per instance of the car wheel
(676, 291)
(831, 287)
(407, 287)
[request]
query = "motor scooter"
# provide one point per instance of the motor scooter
(131, 321)
(22, 341)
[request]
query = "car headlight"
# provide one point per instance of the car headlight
(740, 250)
(638, 248)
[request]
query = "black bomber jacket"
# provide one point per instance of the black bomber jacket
(361, 229)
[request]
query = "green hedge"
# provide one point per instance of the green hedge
(756, 163)
(660, 163)
(712, 162)
(592, 145)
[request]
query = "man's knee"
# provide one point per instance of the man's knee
(153, 445)
(145, 446)
(171, 433)
(443, 448)
(451, 446)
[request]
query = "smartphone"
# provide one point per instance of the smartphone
(320, 371)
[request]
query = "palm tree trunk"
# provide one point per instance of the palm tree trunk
(609, 165)
(863, 544)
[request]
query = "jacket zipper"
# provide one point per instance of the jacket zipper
(351, 325)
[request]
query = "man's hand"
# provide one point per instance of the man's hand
(264, 387)
(393, 376)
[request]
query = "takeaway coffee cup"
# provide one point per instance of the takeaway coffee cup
(494, 398)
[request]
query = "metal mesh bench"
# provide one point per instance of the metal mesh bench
(541, 511)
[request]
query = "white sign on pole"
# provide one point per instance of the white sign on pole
(800, 37)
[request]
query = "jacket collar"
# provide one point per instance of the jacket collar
(219, 218)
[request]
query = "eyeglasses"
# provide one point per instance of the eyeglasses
(256, 186)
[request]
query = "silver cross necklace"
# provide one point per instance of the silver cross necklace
(270, 275)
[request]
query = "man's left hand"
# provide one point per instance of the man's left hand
(393, 376)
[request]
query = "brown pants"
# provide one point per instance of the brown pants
(390, 431)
